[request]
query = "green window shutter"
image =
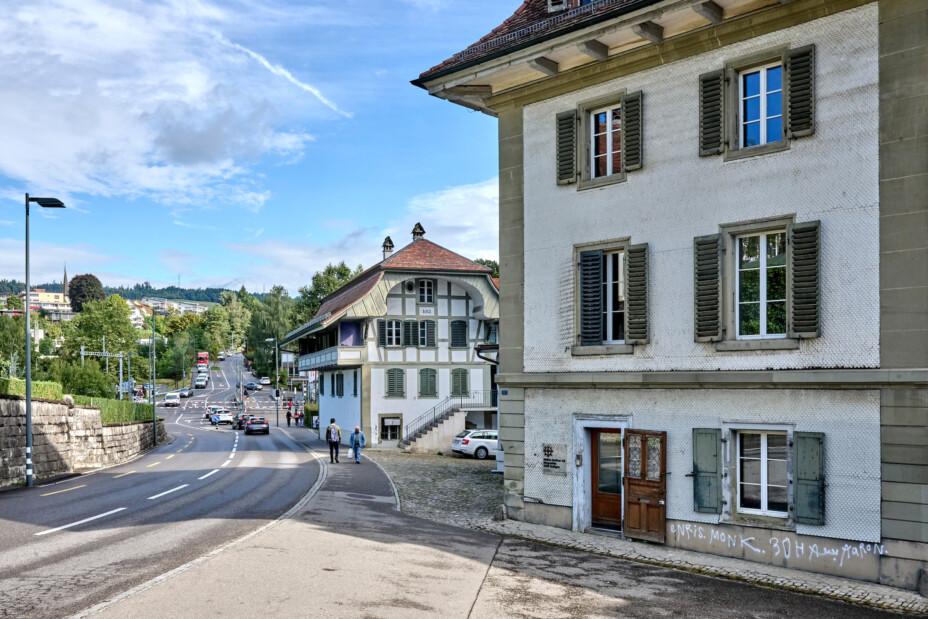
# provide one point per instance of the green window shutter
(458, 333)
(382, 332)
(804, 251)
(427, 382)
(636, 294)
(433, 382)
(591, 298)
(395, 386)
(430, 333)
(401, 383)
(632, 143)
(322, 384)
(332, 383)
(410, 333)
(809, 492)
(712, 113)
(355, 386)
(800, 91)
(707, 470)
(566, 147)
(707, 287)
(459, 385)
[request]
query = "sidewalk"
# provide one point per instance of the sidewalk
(348, 551)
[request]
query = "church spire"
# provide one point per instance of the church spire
(64, 282)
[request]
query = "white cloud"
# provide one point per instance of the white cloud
(136, 98)
(47, 260)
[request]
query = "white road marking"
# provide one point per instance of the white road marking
(158, 496)
(208, 474)
(74, 524)
(226, 462)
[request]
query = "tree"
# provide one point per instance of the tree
(324, 283)
(85, 288)
(174, 323)
(271, 319)
(493, 265)
(109, 318)
(14, 303)
(246, 299)
(216, 325)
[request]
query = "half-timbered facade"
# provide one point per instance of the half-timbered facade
(399, 342)
(715, 324)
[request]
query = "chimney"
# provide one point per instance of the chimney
(387, 248)
(418, 232)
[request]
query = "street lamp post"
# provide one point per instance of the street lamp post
(44, 203)
(276, 377)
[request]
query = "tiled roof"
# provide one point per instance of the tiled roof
(532, 22)
(420, 255)
(495, 282)
(423, 254)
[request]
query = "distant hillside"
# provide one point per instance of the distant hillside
(208, 295)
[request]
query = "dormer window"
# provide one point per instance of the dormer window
(557, 5)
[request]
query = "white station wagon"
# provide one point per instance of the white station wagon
(477, 443)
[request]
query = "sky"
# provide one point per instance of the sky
(237, 142)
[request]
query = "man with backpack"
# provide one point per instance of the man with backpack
(333, 434)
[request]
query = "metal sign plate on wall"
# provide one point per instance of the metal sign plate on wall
(554, 458)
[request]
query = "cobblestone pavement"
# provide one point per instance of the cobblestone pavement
(465, 493)
(454, 490)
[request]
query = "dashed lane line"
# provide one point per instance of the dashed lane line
(158, 496)
(74, 524)
(65, 490)
(213, 472)
(124, 474)
(153, 464)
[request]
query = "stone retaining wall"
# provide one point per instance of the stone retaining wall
(65, 439)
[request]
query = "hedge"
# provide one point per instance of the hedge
(117, 411)
(40, 389)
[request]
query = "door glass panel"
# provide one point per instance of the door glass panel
(654, 458)
(634, 456)
(609, 474)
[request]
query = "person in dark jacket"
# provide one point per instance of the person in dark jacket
(333, 435)
(356, 441)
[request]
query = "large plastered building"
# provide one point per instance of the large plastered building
(714, 299)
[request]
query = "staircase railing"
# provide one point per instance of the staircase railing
(472, 399)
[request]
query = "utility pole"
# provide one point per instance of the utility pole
(120, 375)
(107, 359)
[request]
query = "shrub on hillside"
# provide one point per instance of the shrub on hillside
(40, 389)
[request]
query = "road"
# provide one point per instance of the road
(67, 546)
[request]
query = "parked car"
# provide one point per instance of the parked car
(265, 380)
(185, 392)
(253, 386)
(221, 416)
(477, 443)
(172, 399)
(256, 425)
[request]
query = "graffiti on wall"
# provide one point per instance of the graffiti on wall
(775, 546)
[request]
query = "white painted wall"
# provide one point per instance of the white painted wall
(831, 176)
(849, 419)
(346, 409)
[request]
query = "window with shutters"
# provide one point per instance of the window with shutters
(394, 333)
(321, 384)
(427, 334)
(601, 141)
(762, 473)
(757, 285)
(354, 390)
(459, 382)
(612, 298)
(396, 383)
(757, 104)
(332, 384)
(458, 334)
(340, 385)
(428, 383)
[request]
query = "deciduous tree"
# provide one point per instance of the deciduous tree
(86, 288)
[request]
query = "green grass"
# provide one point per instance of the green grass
(117, 411)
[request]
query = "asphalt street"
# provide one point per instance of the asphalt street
(67, 546)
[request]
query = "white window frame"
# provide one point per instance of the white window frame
(763, 511)
(610, 156)
(762, 290)
(427, 289)
(608, 302)
(394, 333)
(764, 138)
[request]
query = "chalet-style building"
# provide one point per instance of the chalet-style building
(396, 348)
(714, 273)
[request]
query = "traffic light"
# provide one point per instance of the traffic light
(277, 393)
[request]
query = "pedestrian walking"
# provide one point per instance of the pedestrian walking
(356, 442)
(300, 415)
(333, 434)
(289, 417)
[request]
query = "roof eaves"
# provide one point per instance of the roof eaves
(505, 51)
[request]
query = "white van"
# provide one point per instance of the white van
(172, 399)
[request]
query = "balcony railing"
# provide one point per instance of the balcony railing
(331, 357)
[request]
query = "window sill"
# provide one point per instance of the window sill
(394, 397)
(754, 151)
(593, 183)
(765, 522)
(744, 345)
(606, 349)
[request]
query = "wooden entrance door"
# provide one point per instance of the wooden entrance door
(645, 485)
(607, 478)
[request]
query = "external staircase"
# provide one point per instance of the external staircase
(434, 417)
